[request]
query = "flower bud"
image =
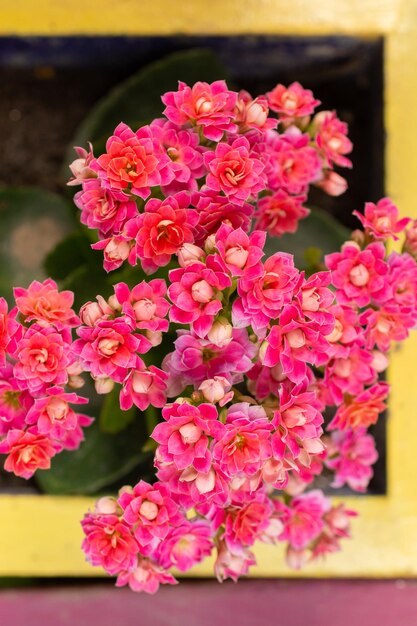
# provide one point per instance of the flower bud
(90, 313)
(154, 337)
(221, 332)
(106, 506)
(210, 244)
(332, 183)
(202, 292)
(189, 253)
(214, 389)
(237, 256)
(103, 385)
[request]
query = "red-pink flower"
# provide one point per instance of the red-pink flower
(184, 437)
(150, 512)
(215, 210)
(211, 107)
(162, 229)
(351, 455)
(8, 327)
(244, 445)
(362, 411)
(42, 358)
(132, 162)
(253, 113)
(101, 210)
(145, 304)
(109, 543)
(234, 171)
(195, 292)
(332, 138)
(13, 402)
(186, 545)
(280, 213)
(27, 452)
(146, 576)
(143, 387)
(245, 524)
(292, 101)
(359, 275)
(109, 348)
(381, 219)
(44, 303)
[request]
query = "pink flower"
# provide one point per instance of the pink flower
(217, 389)
(234, 171)
(359, 275)
(238, 250)
(80, 167)
(209, 106)
(253, 113)
(229, 565)
(264, 290)
(43, 302)
(410, 244)
(292, 101)
(132, 162)
(162, 229)
(303, 518)
(150, 512)
(101, 210)
(27, 452)
(143, 387)
(385, 325)
(349, 372)
(42, 358)
(186, 545)
(332, 138)
(332, 183)
(215, 210)
(116, 250)
(292, 164)
(195, 292)
(53, 415)
(381, 219)
(184, 437)
(12, 402)
(109, 348)
(185, 153)
(402, 270)
(245, 443)
(245, 524)
(362, 411)
(109, 543)
(8, 328)
(147, 576)
(280, 213)
(351, 455)
(145, 304)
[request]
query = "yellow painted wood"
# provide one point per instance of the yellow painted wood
(41, 535)
(149, 17)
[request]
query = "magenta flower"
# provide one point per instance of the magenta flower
(27, 452)
(303, 518)
(143, 387)
(349, 373)
(238, 250)
(351, 455)
(293, 163)
(150, 513)
(186, 545)
(359, 275)
(109, 543)
(196, 293)
(184, 437)
(381, 219)
(402, 279)
(292, 101)
(210, 107)
(234, 171)
(146, 576)
(215, 210)
(145, 304)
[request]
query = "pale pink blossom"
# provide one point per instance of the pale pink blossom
(229, 565)
(146, 576)
(253, 113)
(80, 167)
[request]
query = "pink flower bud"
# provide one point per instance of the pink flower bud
(210, 244)
(221, 332)
(296, 558)
(237, 255)
(202, 292)
(333, 184)
(190, 433)
(57, 409)
(75, 382)
(144, 310)
(106, 506)
(154, 337)
(296, 338)
(256, 113)
(214, 389)
(149, 510)
(141, 382)
(359, 275)
(379, 362)
(310, 300)
(189, 253)
(103, 385)
(90, 313)
(117, 250)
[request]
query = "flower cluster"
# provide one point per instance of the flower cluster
(38, 361)
(254, 350)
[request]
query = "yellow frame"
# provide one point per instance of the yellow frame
(41, 534)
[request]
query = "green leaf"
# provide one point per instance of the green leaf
(101, 460)
(112, 419)
(32, 222)
(318, 231)
(71, 254)
(138, 99)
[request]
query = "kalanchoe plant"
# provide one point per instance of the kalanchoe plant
(261, 348)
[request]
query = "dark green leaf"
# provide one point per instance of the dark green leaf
(138, 99)
(101, 460)
(318, 231)
(71, 254)
(112, 419)
(32, 222)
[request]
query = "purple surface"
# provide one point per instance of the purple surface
(206, 603)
